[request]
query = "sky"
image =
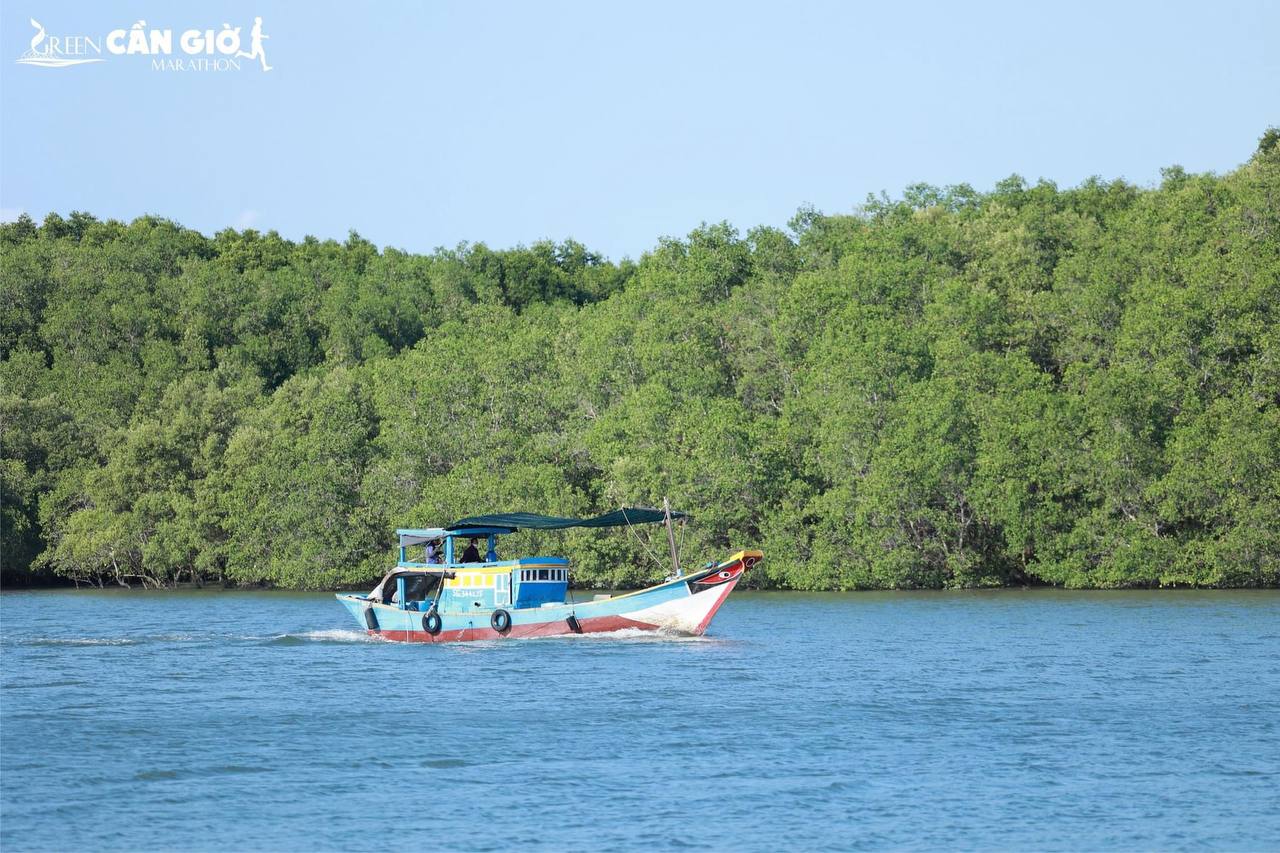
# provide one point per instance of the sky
(426, 124)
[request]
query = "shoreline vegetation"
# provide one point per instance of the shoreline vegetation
(1028, 386)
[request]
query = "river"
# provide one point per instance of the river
(1004, 719)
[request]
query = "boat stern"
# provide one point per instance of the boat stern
(360, 608)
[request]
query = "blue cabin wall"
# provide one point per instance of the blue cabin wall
(545, 584)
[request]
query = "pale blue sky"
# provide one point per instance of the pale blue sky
(426, 124)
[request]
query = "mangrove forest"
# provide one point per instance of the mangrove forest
(951, 388)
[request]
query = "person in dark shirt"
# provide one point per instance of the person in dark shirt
(471, 554)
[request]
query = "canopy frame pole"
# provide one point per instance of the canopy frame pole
(671, 538)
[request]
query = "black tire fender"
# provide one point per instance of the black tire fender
(500, 621)
(432, 623)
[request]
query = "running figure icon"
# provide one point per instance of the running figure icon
(256, 37)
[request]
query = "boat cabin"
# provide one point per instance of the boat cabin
(431, 564)
(438, 570)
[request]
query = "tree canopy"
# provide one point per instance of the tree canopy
(1077, 387)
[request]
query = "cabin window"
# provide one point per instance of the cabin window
(542, 574)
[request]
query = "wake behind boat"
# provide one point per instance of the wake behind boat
(448, 596)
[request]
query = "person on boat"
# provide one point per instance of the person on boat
(433, 551)
(471, 554)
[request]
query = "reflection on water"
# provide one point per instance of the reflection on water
(1010, 719)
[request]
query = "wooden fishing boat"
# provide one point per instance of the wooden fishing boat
(442, 598)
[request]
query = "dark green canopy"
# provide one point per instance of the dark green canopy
(529, 520)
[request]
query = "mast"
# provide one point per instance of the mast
(671, 538)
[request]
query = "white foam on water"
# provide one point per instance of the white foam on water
(330, 635)
(108, 641)
(80, 641)
(341, 635)
(632, 635)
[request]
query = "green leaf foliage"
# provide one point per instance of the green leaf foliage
(1033, 385)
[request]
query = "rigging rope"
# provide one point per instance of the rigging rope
(648, 550)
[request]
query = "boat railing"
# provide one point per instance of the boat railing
(496, 564)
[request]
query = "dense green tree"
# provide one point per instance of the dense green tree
(1075, 386)
(288, 490)
(146, 513)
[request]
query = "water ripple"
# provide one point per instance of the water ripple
(1002, 720)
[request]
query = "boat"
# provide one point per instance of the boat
(438, 594)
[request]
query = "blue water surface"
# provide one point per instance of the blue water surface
(1005, 719)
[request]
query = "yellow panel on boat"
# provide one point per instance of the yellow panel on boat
(485, 576)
